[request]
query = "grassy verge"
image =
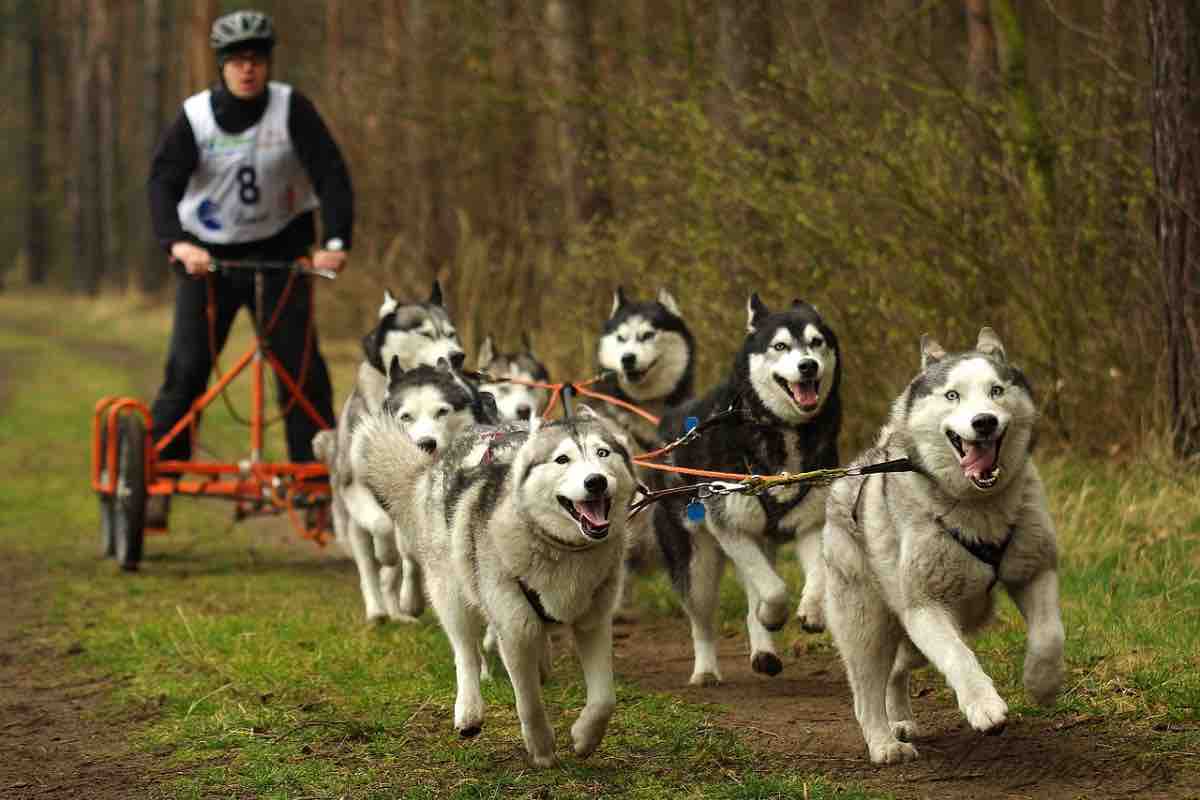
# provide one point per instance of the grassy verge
(248, 645)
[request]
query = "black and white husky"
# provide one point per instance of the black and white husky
(785, 379)
(912, 558)
(408, 335)
(647, 355)
(514, 400)
(521, 529)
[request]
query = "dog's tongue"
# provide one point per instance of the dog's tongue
(978, 458)
(805, 393)
(594, 511)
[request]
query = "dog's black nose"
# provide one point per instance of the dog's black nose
(808, 369)
(985, 424)
(458, 359)
(629, 361)
(595, 483)
(428, 444)
(524, 412)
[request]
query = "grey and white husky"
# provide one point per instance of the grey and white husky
(785, 378)
(408, 335)
(522, 529)
(912, 558)
(514, 400)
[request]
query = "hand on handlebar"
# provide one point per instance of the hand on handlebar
(196, 260)
(331, 260)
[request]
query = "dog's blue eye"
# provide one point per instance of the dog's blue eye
(442, 412)
(997, 390)
(602, 452)
(781, 346)
(645, 337)
(952, 396)
(406, 418)
(563, 459)
(817, 342)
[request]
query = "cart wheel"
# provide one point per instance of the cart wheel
(108, 543)
(129, 505)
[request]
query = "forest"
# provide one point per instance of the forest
(908, 166)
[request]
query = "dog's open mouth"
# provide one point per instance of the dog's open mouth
(638, 375)
(979, 460)
(591, 515)
(805, 394)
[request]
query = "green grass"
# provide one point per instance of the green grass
(264, 683)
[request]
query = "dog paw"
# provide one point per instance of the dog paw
(543, 760)
(586, 735)
(705, 679)
(892, 752)
(986, 713)
(1043, 680)
(407, 619)
(766, 663)
(773, 616)
(905, 730)
(811, 617)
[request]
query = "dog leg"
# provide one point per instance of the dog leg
(700, 601)
(899, 704)
(771, 605)
(1038, 603)
(411, 596)
(463, 629)
(937, 636)
(763, 657)
(521, 647)
(867, 636)
(810, 613)
(368, 571)
(595, 649)
(485, 667)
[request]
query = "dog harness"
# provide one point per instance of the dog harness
(535, 600)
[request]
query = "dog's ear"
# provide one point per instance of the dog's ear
(435, 294)
(667, 301)
(585, 413)
(931, 351)
(443, 364)
(989, 344)
(489, 412)
(618, 301)
(487, 352)
(389, 303)
(394, 370)
(756, 309)
(370, 345)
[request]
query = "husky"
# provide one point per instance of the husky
(646, 353)
(408, 335)
(523, 529)
(515, 401)
(912, 558)
(785, 381)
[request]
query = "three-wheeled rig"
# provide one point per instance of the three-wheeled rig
(126, 470)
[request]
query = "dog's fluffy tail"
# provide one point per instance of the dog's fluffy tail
(388, 461)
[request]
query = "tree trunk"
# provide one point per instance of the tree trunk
(1175, 110)
(201, 64)
(37, 234)
(154, 88)
(107, 102)
(434, 233)
(582, 134)
(82, 184)
(982, 76)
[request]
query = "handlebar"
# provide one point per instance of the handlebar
(299, 265)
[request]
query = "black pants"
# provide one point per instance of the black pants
(189, 362)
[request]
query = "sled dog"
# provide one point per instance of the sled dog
(515, 401)
(912, 558)
(785, 380)
(522, 529)
(410, 335)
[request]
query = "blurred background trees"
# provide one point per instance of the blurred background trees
(906, 165)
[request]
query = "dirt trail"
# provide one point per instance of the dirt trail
(806, 712)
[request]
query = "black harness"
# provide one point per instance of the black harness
(990, 553)
(535, 600)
